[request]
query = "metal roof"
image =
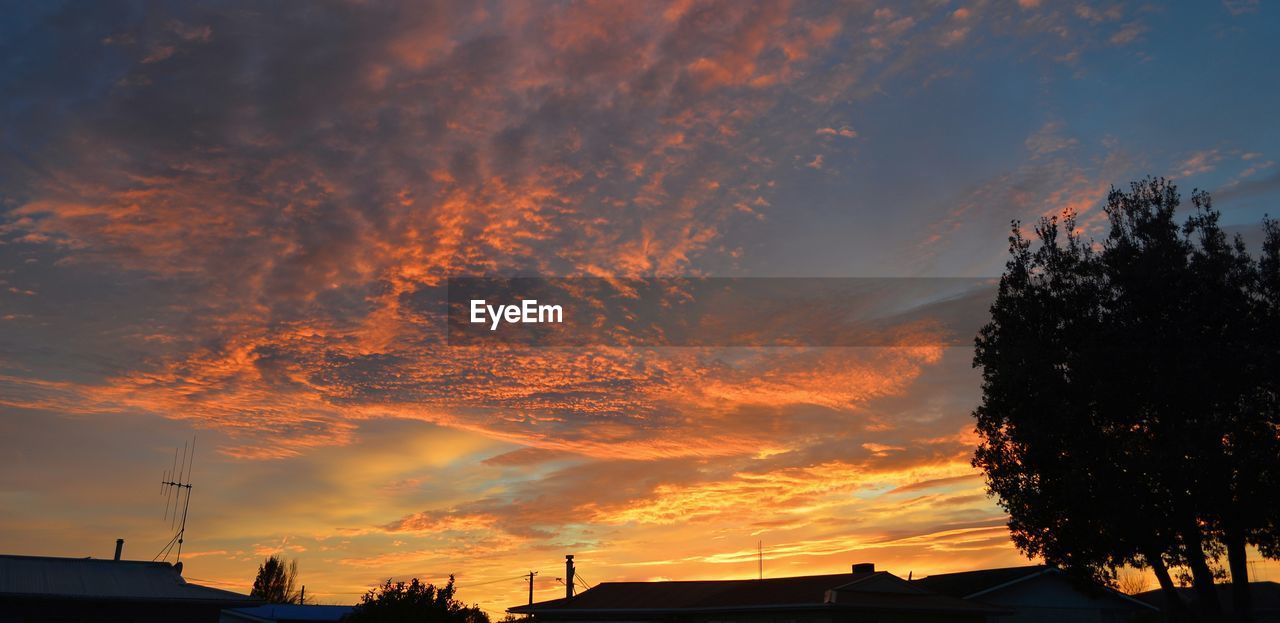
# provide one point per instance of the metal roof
(42, 577)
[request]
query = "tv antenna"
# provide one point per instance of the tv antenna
(175, 485)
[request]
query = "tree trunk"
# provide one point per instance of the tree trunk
(1238, 560)
(1177, 607)
(1202, 576)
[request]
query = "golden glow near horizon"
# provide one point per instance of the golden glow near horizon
(219, 222)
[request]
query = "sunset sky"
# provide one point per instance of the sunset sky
(222, 219)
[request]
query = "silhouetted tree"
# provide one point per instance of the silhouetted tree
(416, 602)
(1129, 410)
(276, 581)
(1268, 539)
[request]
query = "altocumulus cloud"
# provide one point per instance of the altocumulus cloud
(257, 202)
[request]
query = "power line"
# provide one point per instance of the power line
(222, 582)
(577, 576)
(518, 577)
(485, 583)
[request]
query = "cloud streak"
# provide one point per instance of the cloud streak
(242, 221)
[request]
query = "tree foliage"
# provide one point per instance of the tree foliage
(1129, 408)
(415, 601)
(276, 581)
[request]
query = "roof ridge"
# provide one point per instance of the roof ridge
(860, 576)
(87, 559)
(1028, 568)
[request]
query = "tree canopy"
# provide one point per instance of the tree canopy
(277, 581)
(417, 602)
(1129, 409)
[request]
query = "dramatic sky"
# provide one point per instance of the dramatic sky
(220, 219)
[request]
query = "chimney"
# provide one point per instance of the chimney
(119, 548)
(864, 567)
(568, 575)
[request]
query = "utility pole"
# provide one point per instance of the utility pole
(302, 597)
(531, 574)
(568, 575)
(760, 556)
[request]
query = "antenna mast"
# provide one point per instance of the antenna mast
(176, 486)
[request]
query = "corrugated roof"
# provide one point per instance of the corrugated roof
(90, 578)
(795, 592)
